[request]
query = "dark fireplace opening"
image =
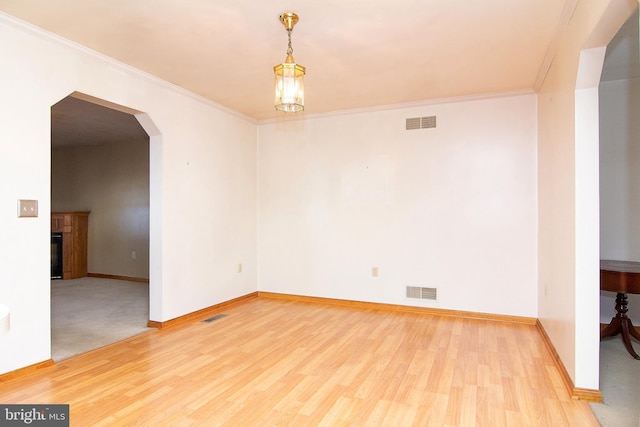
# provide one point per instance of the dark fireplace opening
(56, 255)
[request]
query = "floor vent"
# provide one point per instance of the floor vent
(216, 317)
(420, 123)
(422, 293)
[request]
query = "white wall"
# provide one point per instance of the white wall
(567, 177)
(203, 185)
(452, 207)
(620, 182)
(112, 181)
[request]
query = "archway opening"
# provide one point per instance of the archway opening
(101, 165)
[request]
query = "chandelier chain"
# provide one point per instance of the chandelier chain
(289, 49)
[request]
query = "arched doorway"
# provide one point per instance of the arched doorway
(101, 163)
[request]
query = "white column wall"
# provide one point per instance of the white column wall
(587, 214)
(567, 177)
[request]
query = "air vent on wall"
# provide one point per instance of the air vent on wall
(421, 123)
(422, 293)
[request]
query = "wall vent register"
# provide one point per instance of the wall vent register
(417, 292)
(421, 123)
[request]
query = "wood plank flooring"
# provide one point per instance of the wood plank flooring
(277, 363)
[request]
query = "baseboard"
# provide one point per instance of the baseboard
(204, 313)
(587, 394)
(399, 308)
(114, 277)
(26, 370)
(575, 392)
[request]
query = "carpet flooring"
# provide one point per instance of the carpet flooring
(89, 313)
(620, 385)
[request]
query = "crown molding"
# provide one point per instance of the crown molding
(563, 23)
(46, 35)
(389, 107)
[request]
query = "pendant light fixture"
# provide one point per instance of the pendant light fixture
(289, 83)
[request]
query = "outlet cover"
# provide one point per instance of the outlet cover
(27, 208)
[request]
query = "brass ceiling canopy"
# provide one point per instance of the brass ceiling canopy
(289, 19)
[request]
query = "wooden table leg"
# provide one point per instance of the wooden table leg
(613, 328)
(622, 324)
(626, 325)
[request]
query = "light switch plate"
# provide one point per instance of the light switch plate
(27, 208)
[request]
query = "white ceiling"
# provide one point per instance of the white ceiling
(79, 122)
(358, 53)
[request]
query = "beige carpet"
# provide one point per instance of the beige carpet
(89, 313)
(620, 385)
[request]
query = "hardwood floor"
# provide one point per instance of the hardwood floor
(273, 362)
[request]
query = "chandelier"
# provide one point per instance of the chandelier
(289, 82)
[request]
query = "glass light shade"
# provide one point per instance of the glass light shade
(289, 86)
